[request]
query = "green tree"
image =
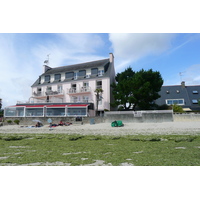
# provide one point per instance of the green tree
(146, 85)
(137, 89)
(122, 88)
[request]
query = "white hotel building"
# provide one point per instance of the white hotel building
(69, 91)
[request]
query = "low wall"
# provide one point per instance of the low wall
(181, 117)
(55, 120)
(140, 116)
(124, 116)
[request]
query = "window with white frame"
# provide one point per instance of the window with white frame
(49, 88)
(74, 99)
(57, 77)
(59, 89)
(100, 72)
(175, 101)
(85, 99)
(99, 84)
(47, 78)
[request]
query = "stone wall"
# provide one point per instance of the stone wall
(55, 120)
(181, 117)
(124, 116)
(140, 116)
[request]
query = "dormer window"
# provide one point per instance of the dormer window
(177, 91)
(167, 91)
(82, 73)
(195, 92)
(69, 75)
(57, 77)
(47, 78)
(94, 71)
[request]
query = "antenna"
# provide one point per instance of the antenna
(181, 74)
(47, 61)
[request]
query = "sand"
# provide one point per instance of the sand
(191, 128)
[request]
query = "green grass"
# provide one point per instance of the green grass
(138, 150)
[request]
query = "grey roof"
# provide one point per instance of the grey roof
(69, 68)
(179, 92)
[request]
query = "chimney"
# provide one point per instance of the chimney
(46, 68)
(111, 58)
(183, 84)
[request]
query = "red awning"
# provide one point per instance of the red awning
(77, 105)
(54, 106)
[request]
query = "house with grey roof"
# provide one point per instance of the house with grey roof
(182, 95)
(69, 91)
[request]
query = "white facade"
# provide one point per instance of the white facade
(54, 86)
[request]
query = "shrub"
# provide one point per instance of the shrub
(16, 121)
(177, 108)
(9, 121)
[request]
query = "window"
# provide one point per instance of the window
(99, 84)
(75, 75)
(167, 91)
(47, 78)
(55, 112)
(177, 91)
(49, 89)
(57, 77)
(175, 101)
(69, 75)
(194, 101)
(85, 99)
(76, 111)
(94, 71)
(82, 73)
(195, 92)
(100, 72)
(73, 88)
(85, 84)
(74, 99)
(59, 89)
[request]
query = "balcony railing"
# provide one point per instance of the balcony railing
(74, 90)
(81, 101)
(48, 93)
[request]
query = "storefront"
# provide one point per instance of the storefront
(68, 110)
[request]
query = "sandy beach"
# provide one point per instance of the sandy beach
(192, 128)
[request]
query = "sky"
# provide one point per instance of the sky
(159, 35)
(22, 55)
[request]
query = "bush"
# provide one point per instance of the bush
(177, 108)
(16, 121)
(9, 121)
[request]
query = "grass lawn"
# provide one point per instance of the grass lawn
(73, 150)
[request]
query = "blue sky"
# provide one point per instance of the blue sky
(22, 56)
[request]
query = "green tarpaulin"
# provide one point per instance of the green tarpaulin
(117, 124)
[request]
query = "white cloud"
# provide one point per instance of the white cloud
(191, 75)
(134, 46)
(22, 59)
